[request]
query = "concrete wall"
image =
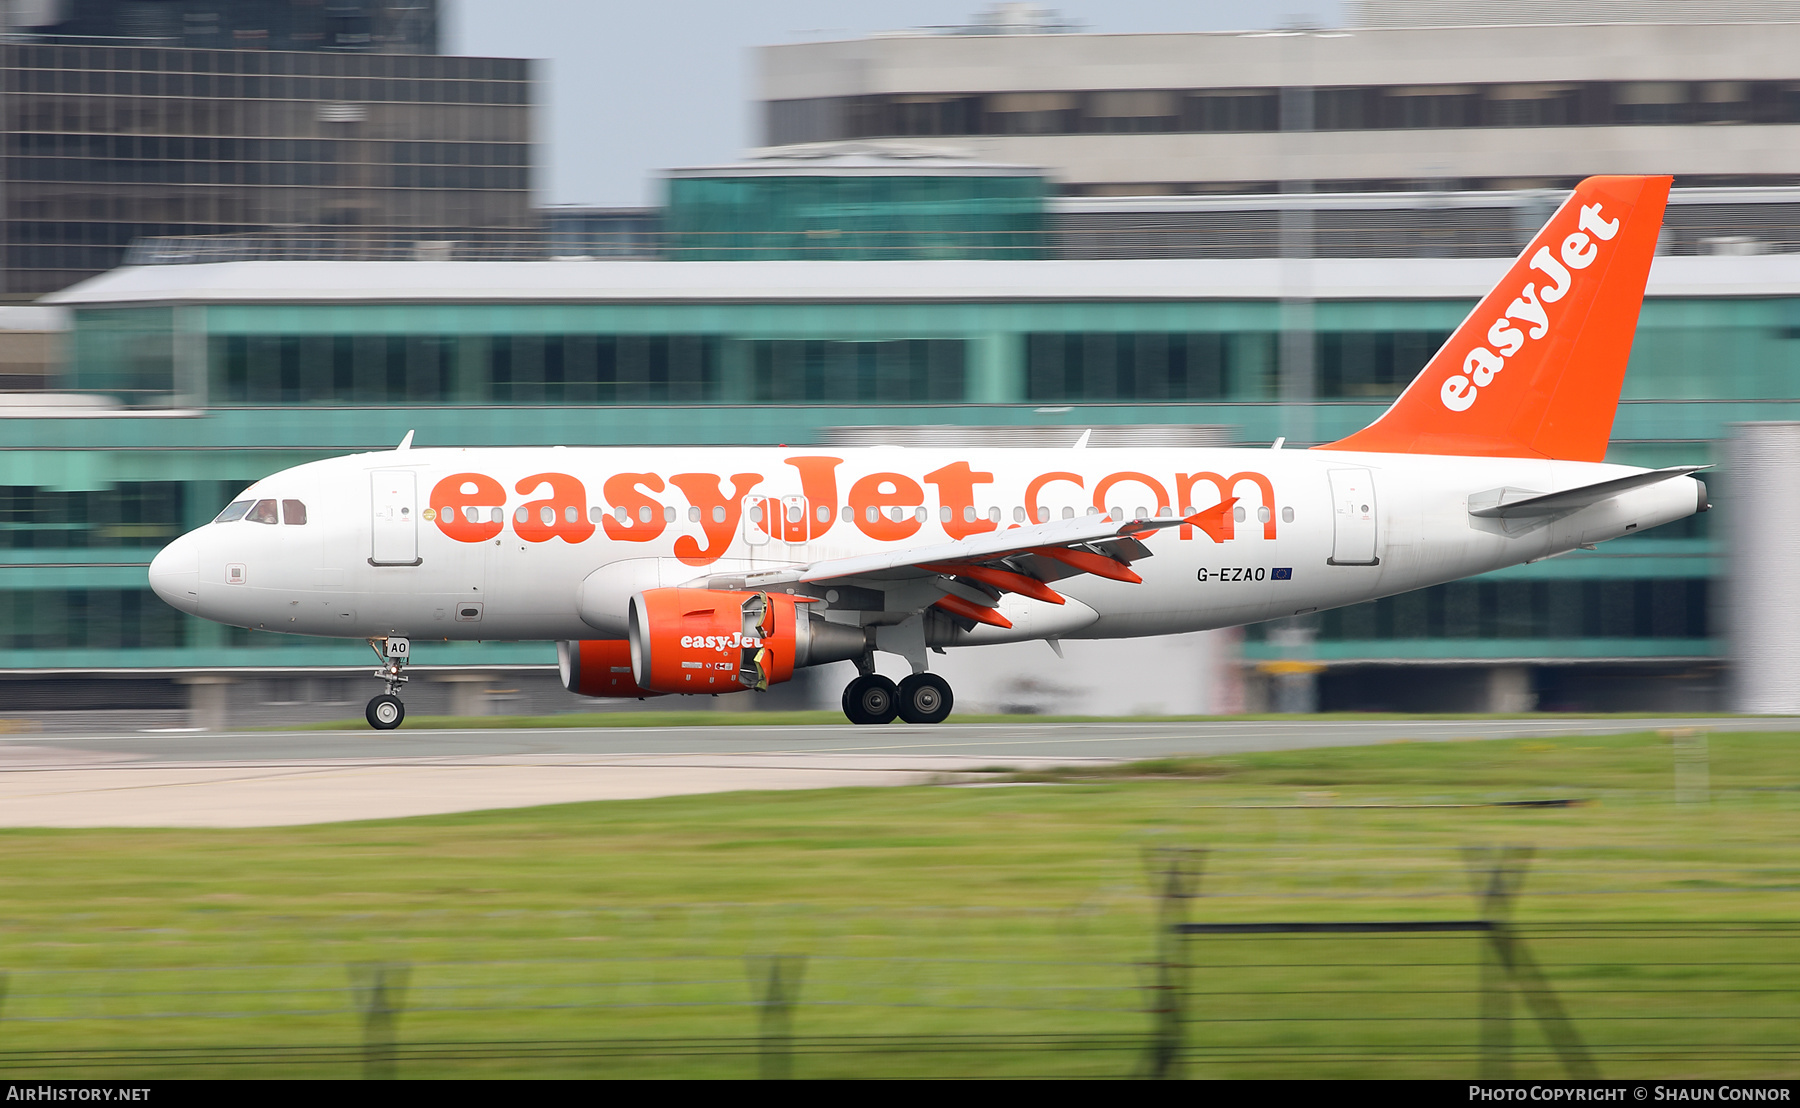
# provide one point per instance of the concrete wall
(1763, 601)
(1484, 153)
(925, 63)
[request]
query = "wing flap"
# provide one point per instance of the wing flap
(1108, 535)
(1018, 560)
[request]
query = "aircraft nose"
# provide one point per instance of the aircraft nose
(175, 574)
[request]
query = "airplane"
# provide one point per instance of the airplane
(704, 570)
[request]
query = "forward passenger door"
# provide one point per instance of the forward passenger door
(394, 536)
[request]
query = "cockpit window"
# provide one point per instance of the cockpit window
(264, 512)
(233, 511)
(293, 513)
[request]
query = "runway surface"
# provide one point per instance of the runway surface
(163, 776)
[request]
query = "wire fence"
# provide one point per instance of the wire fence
(1716, 999)
(1296, 956)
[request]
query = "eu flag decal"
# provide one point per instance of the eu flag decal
(1282, 573)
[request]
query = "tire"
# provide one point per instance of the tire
(872, 699)
(925, 698)
(385, 712)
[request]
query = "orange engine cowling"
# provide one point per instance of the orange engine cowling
(711, 640)
(598, 667)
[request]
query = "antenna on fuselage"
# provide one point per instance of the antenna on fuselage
(405, 443)
(1081, 443)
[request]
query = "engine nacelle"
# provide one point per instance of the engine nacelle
(717, 640)
(598, 667)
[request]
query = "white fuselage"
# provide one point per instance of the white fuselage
(375, 557)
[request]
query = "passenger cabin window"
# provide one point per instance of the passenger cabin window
(233, 511)
(263, 512)
(293, 513)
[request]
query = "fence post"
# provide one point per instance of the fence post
(1174, 874)
(1497, 876)
(1693, 770)
(380, 992)
(775, 978)
(1494, 875)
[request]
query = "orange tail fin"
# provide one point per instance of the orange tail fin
(1535, 370)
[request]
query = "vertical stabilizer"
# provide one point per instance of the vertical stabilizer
(1536, 369)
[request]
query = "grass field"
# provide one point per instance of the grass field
(1002, 930)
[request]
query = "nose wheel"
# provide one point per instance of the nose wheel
(386, 712)
(921, 698)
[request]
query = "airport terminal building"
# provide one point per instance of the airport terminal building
(188, 381)
(883, 288)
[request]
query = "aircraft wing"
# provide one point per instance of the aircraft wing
(975, 571)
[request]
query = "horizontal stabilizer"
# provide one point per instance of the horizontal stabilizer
(1521, 504)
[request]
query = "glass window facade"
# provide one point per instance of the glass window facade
(1373, 364)
(128, 353)
(898, 371)
(129, 514)
(364, 369)
(1358, 108)
(603, 369)
(89, 619)
(343, 25)
(1139, 366)
(836, 353)
(104, 144)
(738, 218)
(1558, 610)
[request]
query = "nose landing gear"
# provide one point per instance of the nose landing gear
(386, 712)
(921, 698)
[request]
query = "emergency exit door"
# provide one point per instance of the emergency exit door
(395, 535)
(1353, 518)
(784, 518)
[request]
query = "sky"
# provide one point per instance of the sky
(628, 89)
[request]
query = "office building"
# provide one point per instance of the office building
(1707, 91)
(349, 26)
(112, 140)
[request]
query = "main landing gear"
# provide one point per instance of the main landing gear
(921, 698)
(386, 712)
